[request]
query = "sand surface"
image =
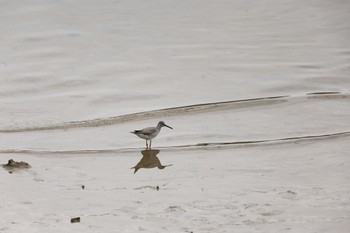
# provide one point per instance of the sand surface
(258, 94)
(301, 186)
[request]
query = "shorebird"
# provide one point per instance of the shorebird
(149, 133)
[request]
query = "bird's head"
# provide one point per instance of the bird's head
(161, 124)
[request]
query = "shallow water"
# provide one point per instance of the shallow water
(80, 64)
(277, 119)
(78, 61)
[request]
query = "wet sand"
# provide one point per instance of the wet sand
(289, 187)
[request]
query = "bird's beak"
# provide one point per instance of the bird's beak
(168, 126)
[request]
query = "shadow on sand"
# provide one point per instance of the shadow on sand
(149, 160)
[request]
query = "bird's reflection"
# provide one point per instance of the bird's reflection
(149, 160)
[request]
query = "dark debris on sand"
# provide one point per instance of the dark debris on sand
(13, 165)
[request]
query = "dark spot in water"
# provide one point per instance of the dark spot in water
(324, 93)
(309, 67)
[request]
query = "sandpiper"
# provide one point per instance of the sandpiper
(150, 132)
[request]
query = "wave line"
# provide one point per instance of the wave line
(198, 146)
(166, 112)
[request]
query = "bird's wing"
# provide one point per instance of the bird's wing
(148, 131)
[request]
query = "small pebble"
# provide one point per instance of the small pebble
(75, 220)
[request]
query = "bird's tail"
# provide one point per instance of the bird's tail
(135, 131)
